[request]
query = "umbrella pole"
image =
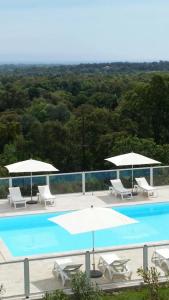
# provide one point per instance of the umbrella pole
(93, 251)
(31, 186)
(132, 178)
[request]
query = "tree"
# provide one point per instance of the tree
(158, 96)
(54, 141)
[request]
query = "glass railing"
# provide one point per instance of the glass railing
(66, 183)
(98, 181)
(115, 267)
(84, 181)
(161, 176)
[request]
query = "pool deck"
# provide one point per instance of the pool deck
(41, 270)
(67, 202)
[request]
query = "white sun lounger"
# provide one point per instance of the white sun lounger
(64, 268)
(145, 187)
(160, 258)
(45, 195)
(119, 189)
(15, 197)
(112, 265)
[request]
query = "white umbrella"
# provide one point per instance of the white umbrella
(91, 219)
(131, 159)
(30, 166)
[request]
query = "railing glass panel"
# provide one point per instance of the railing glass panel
(41, 276)
(98, 181)
(4, 185)
(49, 274)
(158, 257)
(12, 278)
(161, 176)
(25, 184)
(66, 183)
(126, 176)
(119, 266)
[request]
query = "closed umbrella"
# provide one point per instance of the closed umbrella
(91, 219)
(132, 159)
(30, 166)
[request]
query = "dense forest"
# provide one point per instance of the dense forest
(75, 116)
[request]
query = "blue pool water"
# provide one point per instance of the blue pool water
(35, 234)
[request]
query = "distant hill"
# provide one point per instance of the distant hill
(90, 68)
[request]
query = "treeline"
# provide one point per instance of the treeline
(90, 68)
(75, 120)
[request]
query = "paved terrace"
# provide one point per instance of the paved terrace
(67, 202)
(41, 276)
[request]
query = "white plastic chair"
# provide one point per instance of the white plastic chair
(64, 268)
(146, 188)
(112, 265)
(45, 195)
(118, 188)
(15, 197)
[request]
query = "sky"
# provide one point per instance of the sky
(75, 31)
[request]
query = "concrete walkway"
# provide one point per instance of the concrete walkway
(69, 202)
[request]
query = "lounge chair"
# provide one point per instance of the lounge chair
(160, 258)
(64, 268)
(45, 195)
(146, 188)
(118, 188)
(15, 197)
(112, 265)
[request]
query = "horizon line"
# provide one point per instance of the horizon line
(80, 62)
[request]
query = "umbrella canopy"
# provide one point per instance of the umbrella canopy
(91, 219)
(30, 166)
(130, 159)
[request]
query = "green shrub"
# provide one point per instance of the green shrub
(56, 295)
(151, 278)
(83, 289)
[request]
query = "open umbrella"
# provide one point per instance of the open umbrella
(30, 166)
(131, 159)
(91, 219)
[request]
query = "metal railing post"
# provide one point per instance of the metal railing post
(10, 181)
(83, 183)
(47, 180)
(151, 176)
(145, 257)
(26, 278)
(87, 264)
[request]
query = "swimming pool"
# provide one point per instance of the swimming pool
(35, 234)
